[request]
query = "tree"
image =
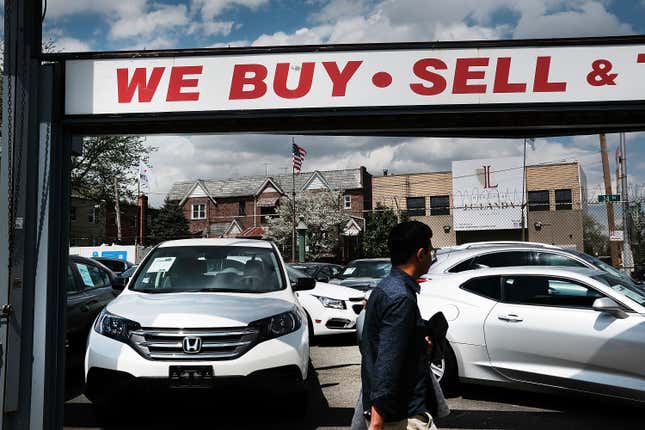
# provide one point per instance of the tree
(325, 218)
(378, 225)
(169, 223)
(596, 241)
(104, 158)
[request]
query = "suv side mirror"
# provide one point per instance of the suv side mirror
(609, 306)
(118, 284)
(303, 284)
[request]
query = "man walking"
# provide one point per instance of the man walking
(394, 344)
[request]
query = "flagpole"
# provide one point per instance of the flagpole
(293, 202)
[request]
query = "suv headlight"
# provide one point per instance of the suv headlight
(328, 302)
(115, 327)
(278, 325)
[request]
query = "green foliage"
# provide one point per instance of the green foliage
(324, 216)
(378, 226)
(169, 223)
(103, 159)
(596, 240)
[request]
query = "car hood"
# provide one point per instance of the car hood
(333, 291)
(358, 283)
(199, 310)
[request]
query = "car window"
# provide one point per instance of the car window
(92, 276)
(335, 271)
(72, 285)
(367, 269)
(627, 289)
(489, 287)
(463, 266)
(210, 269)
(324, 272)
(551, 259)
(502, 259)
(115, 266)
(547, 291)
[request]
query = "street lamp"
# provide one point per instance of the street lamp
(301, 228)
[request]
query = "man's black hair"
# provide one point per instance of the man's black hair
(406, 239)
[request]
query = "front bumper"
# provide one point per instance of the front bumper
(330, 321)
(109, 357)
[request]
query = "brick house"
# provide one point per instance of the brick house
(240, 207)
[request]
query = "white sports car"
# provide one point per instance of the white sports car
(539, 328)
(331, 309)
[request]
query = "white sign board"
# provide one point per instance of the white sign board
(487, 194)
(616, 236)
(127, 253)
(369, 78)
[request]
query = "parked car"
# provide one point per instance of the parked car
(537, 328)
(90, 287)
(504, 254)
(128, 274)
(364, 274)
(331, 309)
(116, 265)
(321, 272)
(203, 313)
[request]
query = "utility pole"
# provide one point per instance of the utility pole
(613, 246)
(628, 259)
(117, 210)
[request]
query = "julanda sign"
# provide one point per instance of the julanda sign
(370, 78)
(487, 194)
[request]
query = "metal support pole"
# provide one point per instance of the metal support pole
(20, 216)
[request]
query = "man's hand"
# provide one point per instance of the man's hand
(376, 421)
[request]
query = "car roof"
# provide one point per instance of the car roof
(112, 259)
(217, 242)
(370, 259)
(529, 270)
(80, 258)
(462, 253)
(502, 243)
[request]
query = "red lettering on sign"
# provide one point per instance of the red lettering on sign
(339, 78)
(640, 58)
(145, 88)
(240, 79)
(541, 83)
(178, 82)
(463, 74)
(421, 70)
(501, 78)
(304, 81)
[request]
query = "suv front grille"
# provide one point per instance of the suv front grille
(214, 344)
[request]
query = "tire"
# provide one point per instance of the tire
(446, 371)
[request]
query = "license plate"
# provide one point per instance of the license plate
(191, 376)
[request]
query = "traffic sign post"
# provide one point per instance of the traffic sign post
(604, 198)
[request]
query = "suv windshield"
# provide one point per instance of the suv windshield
(367, 269)
(210, 269)
(627, 289)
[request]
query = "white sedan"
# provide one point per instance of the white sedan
(539, 328)
(331, 309)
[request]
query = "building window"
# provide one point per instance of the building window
(199, 211)
(347, 202)
(440, 205)
(538, 201)
(267, 212)
(242, 211)
(416, 206)
(72, 213)
(91, 215)
(563, 200)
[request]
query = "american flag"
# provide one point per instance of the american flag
(298, 157)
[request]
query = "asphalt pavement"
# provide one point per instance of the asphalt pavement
(334, 389)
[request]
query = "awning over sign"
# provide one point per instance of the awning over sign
(267, 202)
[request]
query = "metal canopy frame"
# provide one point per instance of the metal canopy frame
(510, 120)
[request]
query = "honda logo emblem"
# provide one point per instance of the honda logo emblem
(192, 345)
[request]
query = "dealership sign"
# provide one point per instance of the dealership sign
(487, 194)
(351, 79)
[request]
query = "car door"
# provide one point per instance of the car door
(97, 287)
(545, 331)
(76, 311)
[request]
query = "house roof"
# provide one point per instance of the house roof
(225, 188)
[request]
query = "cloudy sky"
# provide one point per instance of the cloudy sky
(83, 25)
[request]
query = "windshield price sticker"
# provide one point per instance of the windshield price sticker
(161, 264)
(430, 77)
(85, 275)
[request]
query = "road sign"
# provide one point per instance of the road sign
(602, 198)
(616, 236)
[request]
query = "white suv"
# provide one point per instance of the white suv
(202, 313)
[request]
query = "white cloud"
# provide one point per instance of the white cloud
(212, 8)
(217, 27)
(164, 17)
(70, 44)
